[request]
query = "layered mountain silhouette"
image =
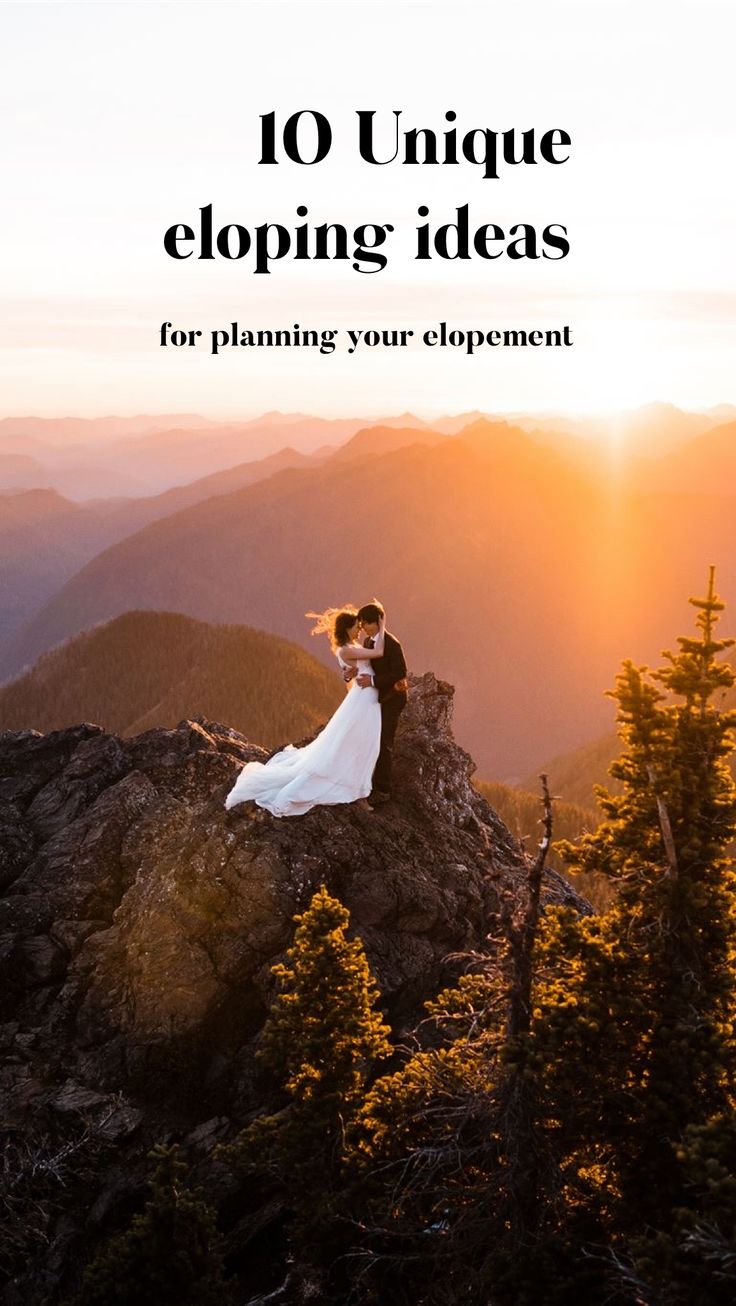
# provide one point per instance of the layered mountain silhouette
(44, 539)
(707, 464)
(71, 454)
(128, 515)
(113, 457)
(147, 669)
(650, 431)
(36, 558)
(374, 440)
(174, 456)
(523, 571)
(62, 430)
(480, 547)
(19, 470)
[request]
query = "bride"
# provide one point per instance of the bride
(337, 766)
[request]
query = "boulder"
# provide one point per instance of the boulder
(140, 920)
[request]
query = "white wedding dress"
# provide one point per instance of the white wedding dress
(336, 767)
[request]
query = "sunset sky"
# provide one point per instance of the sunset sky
(120, 120)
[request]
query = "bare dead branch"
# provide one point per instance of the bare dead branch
(664, 823)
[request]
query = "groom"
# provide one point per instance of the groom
(389, 677)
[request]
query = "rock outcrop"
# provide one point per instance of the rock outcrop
(139, 921)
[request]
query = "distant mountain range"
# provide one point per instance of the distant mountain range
(515, 568)
(36, 559)
(110, 457)
(71, 454)
(66, 430)
(147, 669)
(124, 516)
(372, 441)
(44, 539)
(707, 464)
(503, 569)
(647, 432)
(146, 455)
(19, 470)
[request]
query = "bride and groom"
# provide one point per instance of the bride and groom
(351, 758)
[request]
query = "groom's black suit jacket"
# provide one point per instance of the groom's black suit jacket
(389, 668)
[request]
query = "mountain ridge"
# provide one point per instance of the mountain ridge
(230, 559)
(151, 669)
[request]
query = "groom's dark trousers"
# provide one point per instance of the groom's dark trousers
(387, 670)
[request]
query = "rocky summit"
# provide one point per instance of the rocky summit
(139, 922)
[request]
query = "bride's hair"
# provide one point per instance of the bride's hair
(335, 622)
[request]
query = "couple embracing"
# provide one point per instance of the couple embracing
(351, 757)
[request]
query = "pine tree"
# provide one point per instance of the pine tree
(701, 1245)
(323, 1034)
(321, 1041)
(626, 1049)
(637, 1011)
(168, 1256)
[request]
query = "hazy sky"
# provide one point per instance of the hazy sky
(120, 120)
